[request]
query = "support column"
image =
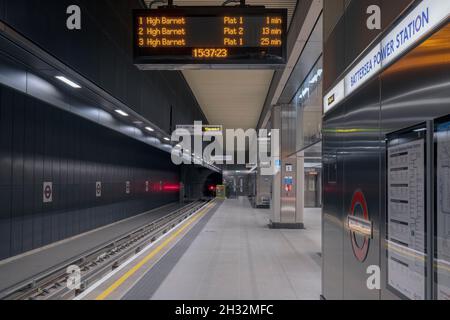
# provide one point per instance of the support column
(300, 188)
(276, 158)
(286, 211)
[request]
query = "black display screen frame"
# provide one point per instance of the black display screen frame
(269, 56)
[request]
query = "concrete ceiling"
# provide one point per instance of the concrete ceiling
(232, 98)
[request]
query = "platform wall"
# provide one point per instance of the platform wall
(40, 143)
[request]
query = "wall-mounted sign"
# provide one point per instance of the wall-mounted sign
(288, 180)
(208, 37)
(360, 226)
(422, 20)
(278, 164)
(206, 129)
(334, 97)
(406, 220)
(98, 189)
(47, 192)
(360, 248)
(128, 187)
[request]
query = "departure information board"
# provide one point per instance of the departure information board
(406, 212)
(209, 37)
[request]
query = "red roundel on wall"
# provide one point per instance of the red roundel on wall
(360, 250)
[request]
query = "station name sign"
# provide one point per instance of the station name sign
(174, 38)
(423, 19)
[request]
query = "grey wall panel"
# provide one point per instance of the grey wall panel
(6, 121)
(5, 221)
(332, 212)
(16, 219)
(361, 173)
(28, 149)
(41, 143)
(38, 155)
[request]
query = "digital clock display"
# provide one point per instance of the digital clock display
(211, 36)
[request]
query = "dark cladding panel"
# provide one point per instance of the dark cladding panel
(332, 226)
(334, 55)
(28, 181)
(392, 9)
(355, 21)
(361, 169)
(6, 128)
(16, 219)
(40, 144)
(5, 222)
(27, 228)
(351, 34)
(6, 125)
(332, 13)
(38, 155)
(18, 140)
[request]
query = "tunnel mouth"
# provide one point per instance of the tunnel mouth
(212, 181)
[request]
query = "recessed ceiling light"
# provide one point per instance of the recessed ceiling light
(167, 139)
(122, 113)
(149, 129)
(68, 82)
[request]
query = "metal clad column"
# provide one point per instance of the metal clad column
(284, 198)
(301, 185)
(276, 188)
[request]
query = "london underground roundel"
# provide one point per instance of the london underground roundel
(360, 248)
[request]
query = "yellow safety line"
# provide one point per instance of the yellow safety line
(138, 266)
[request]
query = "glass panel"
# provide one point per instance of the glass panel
(442, 207)
(308, 103)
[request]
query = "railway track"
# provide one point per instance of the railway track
(93, 265)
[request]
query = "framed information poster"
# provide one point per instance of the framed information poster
(406, 212)
(442, 208)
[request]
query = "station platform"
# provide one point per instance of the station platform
(229, 253)
(25, 267)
